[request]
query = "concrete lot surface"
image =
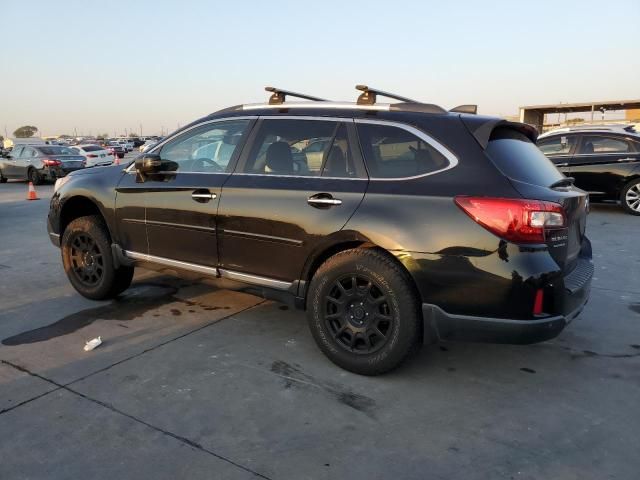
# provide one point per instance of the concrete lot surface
(195, 381)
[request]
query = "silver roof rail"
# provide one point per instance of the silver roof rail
(278, 96)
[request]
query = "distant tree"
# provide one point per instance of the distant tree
(25, 132)
(102, 136)
(1, 140)
(575, 120)
(133, 135)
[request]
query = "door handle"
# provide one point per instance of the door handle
(325, 200)
(562, 164)
(628, 159)
(203, 196)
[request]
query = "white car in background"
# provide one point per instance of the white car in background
(127, 144)
(148, 145)
(95, 155)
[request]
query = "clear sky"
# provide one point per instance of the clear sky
(102, 66)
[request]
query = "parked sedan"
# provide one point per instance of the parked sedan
(604, 161)
(38, 163)
(116, 149)
(95, 155)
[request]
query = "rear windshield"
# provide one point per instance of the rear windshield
(518, 158)
(54, 150)
(91, 148)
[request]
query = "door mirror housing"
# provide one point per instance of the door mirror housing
(148, 163)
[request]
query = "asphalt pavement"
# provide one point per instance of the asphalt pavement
(195, 381)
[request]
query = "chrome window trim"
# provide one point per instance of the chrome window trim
(451, 158)
(130, 168)
(274, 175)
(216, 272)
(319, 105)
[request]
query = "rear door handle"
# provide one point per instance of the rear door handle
(323, 200)
(562, 164)
(203, 196)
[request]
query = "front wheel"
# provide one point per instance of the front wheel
(364, 312)
(88, 260)
(631, 197)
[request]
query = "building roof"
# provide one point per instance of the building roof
(584, 106)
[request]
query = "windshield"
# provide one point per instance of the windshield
(56, 150)
(519, 158)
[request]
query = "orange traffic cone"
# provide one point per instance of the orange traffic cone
(32, 195)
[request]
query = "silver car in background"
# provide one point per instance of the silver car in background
(39, 163)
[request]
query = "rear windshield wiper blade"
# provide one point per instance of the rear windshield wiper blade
(563, 182)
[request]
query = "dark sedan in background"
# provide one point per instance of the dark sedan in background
(603, 160)
(39, 163)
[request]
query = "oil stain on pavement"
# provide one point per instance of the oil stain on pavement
(134, 303)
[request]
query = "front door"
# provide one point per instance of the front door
(181, 204)
(559, 149)
(298, 181)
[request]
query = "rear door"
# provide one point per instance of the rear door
(28, 159)
(600, 163)
(285, 199)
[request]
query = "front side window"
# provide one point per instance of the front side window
(17, 151)
(594, 144)
(393, 152)
(301, 148)
(207, 149)
(559, 145)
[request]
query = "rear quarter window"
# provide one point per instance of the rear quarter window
(518, 158)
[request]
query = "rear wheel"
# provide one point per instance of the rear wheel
(364, 312)
(3, 179)
(34, 177)
(88, 260)
(630, 197)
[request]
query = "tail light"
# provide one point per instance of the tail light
(515, 220)
(49, 162)
(92, 155)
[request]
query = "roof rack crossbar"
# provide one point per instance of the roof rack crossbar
(369, 95)
(278, 96)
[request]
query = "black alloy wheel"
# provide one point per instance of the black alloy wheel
(87, 261)
(358, 314)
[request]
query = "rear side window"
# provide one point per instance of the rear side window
(301, 148)
(392, 152)
(519, 158)
(595, 144)
(91, 148)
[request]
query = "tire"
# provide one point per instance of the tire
(379, 323)
(630, 197)
(3, 179)
(34, 177)
(88, 260)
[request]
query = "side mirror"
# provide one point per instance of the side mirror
(148, 164)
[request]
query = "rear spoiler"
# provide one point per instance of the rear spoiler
(482, 127)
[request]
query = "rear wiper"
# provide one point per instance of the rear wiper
(563, 182)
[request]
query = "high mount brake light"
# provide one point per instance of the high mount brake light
(51, 162)
(515, 220)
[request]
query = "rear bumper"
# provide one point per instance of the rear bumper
(466, 328)
(51, 173)
(571, 299)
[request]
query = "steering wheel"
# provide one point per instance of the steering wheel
(204, 165)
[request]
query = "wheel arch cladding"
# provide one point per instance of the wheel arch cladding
(76, 207)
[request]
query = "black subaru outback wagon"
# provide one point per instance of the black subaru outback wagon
(390, 224)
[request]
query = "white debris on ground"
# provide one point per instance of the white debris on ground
(93, 343)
